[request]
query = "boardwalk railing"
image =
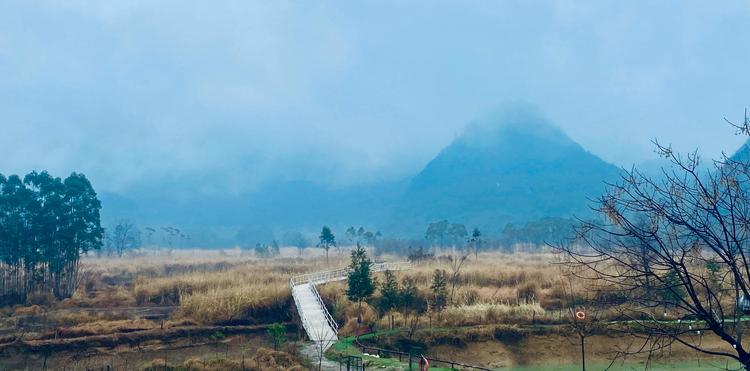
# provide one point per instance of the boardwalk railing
(380, 352)
(342, 273)
(329, 318)
(329, 276)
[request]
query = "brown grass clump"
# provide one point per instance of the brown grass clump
(227, 303)
(218, 297)
(528, 291)
(33, 310)
(267, 359)
(469, 315)
(72, 318)
(105, 327)
(113, 297)
(40, 298)
(263, 360)
(183, 322)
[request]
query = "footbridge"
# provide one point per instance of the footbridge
(318, 323)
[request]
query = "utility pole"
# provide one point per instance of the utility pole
(579, 318)
(583, 351)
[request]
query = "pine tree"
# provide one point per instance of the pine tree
(409, 296)
(475, 241)
(360, 283)
(327, 240)
(439, 287)
(389, 295)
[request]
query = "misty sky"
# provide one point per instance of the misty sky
(351, 91)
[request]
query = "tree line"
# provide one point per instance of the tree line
(46, 223)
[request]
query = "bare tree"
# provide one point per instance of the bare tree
(123, 236)
(671, 253)
(323, 339)
(455, 263)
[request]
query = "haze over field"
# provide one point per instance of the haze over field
(290, 115)
(319, 185)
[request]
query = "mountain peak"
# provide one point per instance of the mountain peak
(519, 122)
(511, 135)
(506, 167)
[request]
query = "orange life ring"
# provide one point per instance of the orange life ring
(581, 315)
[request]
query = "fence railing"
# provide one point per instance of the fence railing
(403, 355)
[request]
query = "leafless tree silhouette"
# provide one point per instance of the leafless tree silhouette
(670, 253)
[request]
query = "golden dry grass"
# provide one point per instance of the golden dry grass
(105, 327)
(212, 287)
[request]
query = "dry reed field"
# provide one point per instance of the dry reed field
(192, 293)
(185, 307)
(227, 287)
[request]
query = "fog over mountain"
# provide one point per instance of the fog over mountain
(510, 166)
(230, 95)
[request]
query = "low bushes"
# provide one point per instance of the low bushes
(263, 360)
(477, 314)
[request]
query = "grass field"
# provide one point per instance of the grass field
(157, 302)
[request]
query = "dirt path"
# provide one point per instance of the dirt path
(311, 351)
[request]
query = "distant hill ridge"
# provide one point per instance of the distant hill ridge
(742, 153)
(511, 167)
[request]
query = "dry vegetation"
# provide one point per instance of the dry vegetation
(263, 360)
(517, 288)
(190, 289)
(230, 288)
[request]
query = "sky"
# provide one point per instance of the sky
(237, 93)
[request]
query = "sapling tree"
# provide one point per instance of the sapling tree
(322, 339)
(455, 263)
(412, 304)
(277, 334)
(439, 288)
